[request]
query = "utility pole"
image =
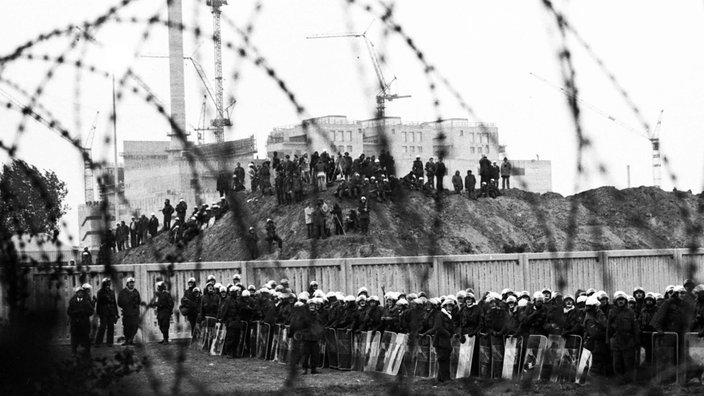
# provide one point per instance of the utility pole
(114, 137)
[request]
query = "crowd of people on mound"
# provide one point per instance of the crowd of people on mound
(362, 179)
(611, 329)
(368, 176)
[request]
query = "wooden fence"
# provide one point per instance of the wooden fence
(607, 270)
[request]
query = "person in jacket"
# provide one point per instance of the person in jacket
(86, 257)
(129, 300)
(337, 219)
(318, 218)
(153, 225)
(363, 211)
(595, 336)
(238, 178)
(470, 183)
(222, 184)
(79, 311)
(674, 314)
(443, 329)
(164, 305)
(417, 168)
(574, 317)
(230, 315)
(181, 209)
(457, 182)
(430, 168)
(134, 230)
(190, 303)
(167, 211)
(623, 335)
(311, 333)
(440, 172)
(639, 296)
(271, 235)
(106, 307)
(252, 242)
(506, 174)
(484, 170)
(209, 305)
(470, 318)
(142, 229)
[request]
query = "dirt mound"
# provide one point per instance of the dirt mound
(415, 224)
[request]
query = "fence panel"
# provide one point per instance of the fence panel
(481, 275)
(406, 275)
(564, 274)
(299, 273)
(652, 272)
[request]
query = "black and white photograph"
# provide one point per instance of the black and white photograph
(352, 197)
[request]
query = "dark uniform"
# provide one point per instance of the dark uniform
(164, 309)
(80, 309)
(595, 338)
(623, 334)
(167, 211)
(129, 301)
(271, 235)
(106, 307)
(443, 330)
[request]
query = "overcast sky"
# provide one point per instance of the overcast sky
(486, 49)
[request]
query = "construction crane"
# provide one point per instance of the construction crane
(220, 122)
(652, 134)
(88, 188)
(384, 93)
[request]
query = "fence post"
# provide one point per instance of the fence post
(244, 271)
(523, 261)
(605, 273)
(435, 279)
(346, 274)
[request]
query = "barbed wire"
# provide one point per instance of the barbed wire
(247, 51)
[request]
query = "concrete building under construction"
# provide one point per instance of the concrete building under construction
(464, 144)
(170, 169)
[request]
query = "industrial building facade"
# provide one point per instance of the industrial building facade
(464, 144)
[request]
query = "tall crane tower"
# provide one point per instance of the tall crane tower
(88, 189)
(220, 122)
(652, 134)
(384, 93)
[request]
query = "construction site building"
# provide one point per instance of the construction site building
(464, 144)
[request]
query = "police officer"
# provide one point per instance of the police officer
(129, 300)
(79, 312)
(623, 334)
(164, 309)
(190, 303)
(443, 329)
(106, 308)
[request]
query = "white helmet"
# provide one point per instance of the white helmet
(620, 294)
(592, 300)
(582, 299)
(245, 293)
